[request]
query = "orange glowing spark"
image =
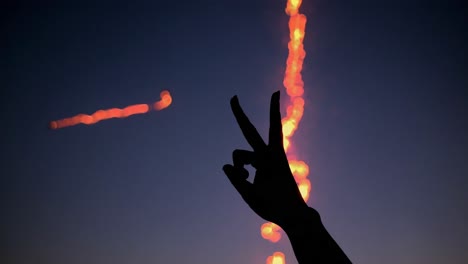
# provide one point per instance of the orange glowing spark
(295, 89)
(277, 258)
(292, 7)
(270, 231)
(100, 115)
(165, 101)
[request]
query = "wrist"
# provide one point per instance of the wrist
(306, 232)
(302, 220)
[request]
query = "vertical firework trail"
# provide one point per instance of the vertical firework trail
(295, 89)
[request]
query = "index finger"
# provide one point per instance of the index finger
(250, 132)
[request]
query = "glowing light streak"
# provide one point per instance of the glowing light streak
(100, 115)
(294, 86)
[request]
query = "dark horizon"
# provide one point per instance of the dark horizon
(384, 128)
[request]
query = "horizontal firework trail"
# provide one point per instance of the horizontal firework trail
(100, 115)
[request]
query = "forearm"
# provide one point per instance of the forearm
(311, 242)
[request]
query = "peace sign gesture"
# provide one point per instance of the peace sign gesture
(273, 194)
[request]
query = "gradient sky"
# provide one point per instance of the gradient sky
(384, 130)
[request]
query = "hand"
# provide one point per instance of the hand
(273, 194)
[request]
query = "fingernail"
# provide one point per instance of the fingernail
(235, 101)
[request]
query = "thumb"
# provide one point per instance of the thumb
(237, 178)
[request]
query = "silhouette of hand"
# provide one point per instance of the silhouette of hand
(273, 194)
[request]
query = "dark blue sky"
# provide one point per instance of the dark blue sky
(384, 128)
